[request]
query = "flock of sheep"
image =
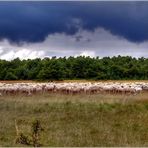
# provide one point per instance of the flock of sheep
(73, 88)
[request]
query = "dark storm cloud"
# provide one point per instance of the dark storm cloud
(34, 21)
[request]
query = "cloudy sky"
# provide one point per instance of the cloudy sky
(46, 29)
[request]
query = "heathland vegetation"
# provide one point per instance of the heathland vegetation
(115, 68)
(75, 120)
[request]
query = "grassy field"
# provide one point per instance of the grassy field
(68, 81)
(79, 120)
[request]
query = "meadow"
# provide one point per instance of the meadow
(77, 120)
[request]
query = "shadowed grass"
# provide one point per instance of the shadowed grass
(79, 120)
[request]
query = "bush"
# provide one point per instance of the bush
(36, 129)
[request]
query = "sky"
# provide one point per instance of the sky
(73, 28)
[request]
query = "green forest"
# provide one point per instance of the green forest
(107, 68)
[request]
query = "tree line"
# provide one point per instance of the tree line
(107, 68)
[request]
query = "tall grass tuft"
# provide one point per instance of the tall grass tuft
(36, 129)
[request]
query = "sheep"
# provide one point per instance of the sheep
(74, 88)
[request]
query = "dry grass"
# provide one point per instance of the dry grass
(105, 81)
(16, 81)
(77, 120)
(67, 81)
